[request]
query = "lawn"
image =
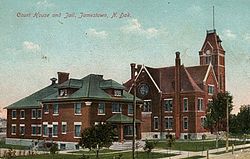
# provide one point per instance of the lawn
(196, 145)
(93, 152)
(195, 157)
(125, 155)
(3, 145)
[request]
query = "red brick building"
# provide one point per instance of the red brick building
(60, 111)
(176, 97)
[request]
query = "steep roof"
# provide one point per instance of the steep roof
(164, 77)
(120, 118)
(33, 100)
(93, 87)
(213, 39)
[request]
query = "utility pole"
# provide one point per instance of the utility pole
(134, 119)
(227, 126)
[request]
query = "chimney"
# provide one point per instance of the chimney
(177, 86)
(132, 65)
(138, 68)
(53, 80)
(62, 77)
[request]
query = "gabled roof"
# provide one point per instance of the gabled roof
(33, 100)
(164, 78)
(123, 119)
(93, 87)
(212, 39)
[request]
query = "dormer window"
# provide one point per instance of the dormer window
(63, 92)
(118, 93)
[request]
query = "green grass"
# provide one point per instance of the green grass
(125, 155)
(195, 157)
(93, 152)
(3, 145)
(196, 145)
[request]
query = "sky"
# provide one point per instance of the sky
(38, 39)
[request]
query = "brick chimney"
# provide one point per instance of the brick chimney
(53, 80)
(62, 77)
(177, 94)
(132, 65)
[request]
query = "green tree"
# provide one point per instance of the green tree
(216, 116)
(149, 146)
(97, 137)
(243, 118)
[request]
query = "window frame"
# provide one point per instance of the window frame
(98, 110)
(185, 110)
(185, 117)
(45, 127)
(75, 133)
(202, 119)
(12, 114)
(76, 111)
(46, 111)
(165, 106)
(167, 120)
(200, 104)
(33, 115)
(33, 126)
(210, 88)
(117, 92)
(156, 123)
(20, 128)
(130, 109)
(64, 124)
(22, 117)
(55, 113)
(54, 124)
(37, 114)
(148, 108)
(116, 104)
(13, 126)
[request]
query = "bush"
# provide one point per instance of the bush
(53, 149)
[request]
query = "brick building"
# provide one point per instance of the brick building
(176, 97)
(60, 111)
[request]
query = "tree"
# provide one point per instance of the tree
(216, 116)
(97, 137)
(243, 119)
(149, 146)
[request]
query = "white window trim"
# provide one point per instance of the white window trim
(41, 114)
(15, 129)
(77, 124)
(167, 117)
(183, 123)
(117, 94)
(130, 114)
(46, 112)
(156, 117)
(120, 106)
(64, 123)
(45, 123)
(172, 105)
(20, 114)
(12, 114)
(210, 85)
(55, 114)
(147, 100)
(39, 125)
(202, 108)
(32, 114)
(21, 125)
(183, 104)
(54, 123)
(33, 125)
(75, 109)
(200, 120)
(98, 110)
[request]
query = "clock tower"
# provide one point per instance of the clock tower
(213, 53)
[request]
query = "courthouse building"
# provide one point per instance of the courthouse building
(176, 97)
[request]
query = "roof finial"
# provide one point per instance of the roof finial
(213, 19)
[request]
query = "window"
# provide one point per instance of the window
(64, 127)
(22, 129)
(78, 107)
(33, 130)
(203, 121)
(130, 109)
(13, 114)
(185, 104)
(63, 92)
(39, 129)
(117, 93)
(185, 123)
(55, 130)
(128, 130)
(116, 108)
(168, 105)
(208, 59)
(22, 114)
(169, 122)
(13, 129)
(46, 108)
(55, 109)
(39, 113)
(77, 130)
(200, 104)
(210, 89)
(101, 109)
(33, 114)
(147, 106)
(45, 130)
(156, 123)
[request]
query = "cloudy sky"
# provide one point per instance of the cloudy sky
(38, 40)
